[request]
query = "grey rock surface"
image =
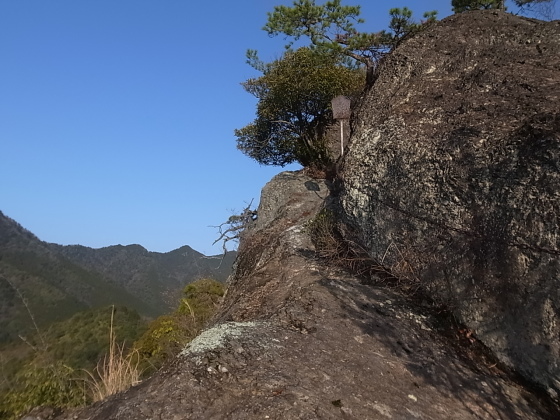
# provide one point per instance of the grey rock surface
(295, 339)
(452, 178)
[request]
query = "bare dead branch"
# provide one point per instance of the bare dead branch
(233, 228)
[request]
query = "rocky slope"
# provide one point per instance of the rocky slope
(453, 179)
(296, 339)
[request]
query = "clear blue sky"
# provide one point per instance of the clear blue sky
(117, 116)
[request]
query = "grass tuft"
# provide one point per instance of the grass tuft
(116, 372)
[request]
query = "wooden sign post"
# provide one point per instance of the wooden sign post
(341, 112)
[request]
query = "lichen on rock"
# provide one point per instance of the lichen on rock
(215, 337)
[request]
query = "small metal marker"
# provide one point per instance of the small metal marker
(341, 112)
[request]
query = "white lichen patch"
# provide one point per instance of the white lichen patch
(430, 69)
(383, 409)
(217, 336)
(295, 236)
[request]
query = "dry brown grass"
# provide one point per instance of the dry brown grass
(330, 245)
(116, 372)
(337, 244)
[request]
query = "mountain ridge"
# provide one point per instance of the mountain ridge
(52, 282)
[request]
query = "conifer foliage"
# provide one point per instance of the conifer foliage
(294, 95)
(524, 5)
(295, 92)
(334, 27)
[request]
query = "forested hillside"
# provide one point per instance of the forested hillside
(39, 285)
(69, 313)
(44, 283)
(154, 278)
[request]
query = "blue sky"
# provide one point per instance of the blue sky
(117, 116)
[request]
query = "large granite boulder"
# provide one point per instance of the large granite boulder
(452, 178)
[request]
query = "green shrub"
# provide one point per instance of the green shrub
(50, 369)
(168, 334)
(55, 385)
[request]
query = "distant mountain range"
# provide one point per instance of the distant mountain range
(51, 282)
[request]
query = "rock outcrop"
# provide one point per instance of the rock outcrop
(452, 179)
(452, 182)
(296, 339)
